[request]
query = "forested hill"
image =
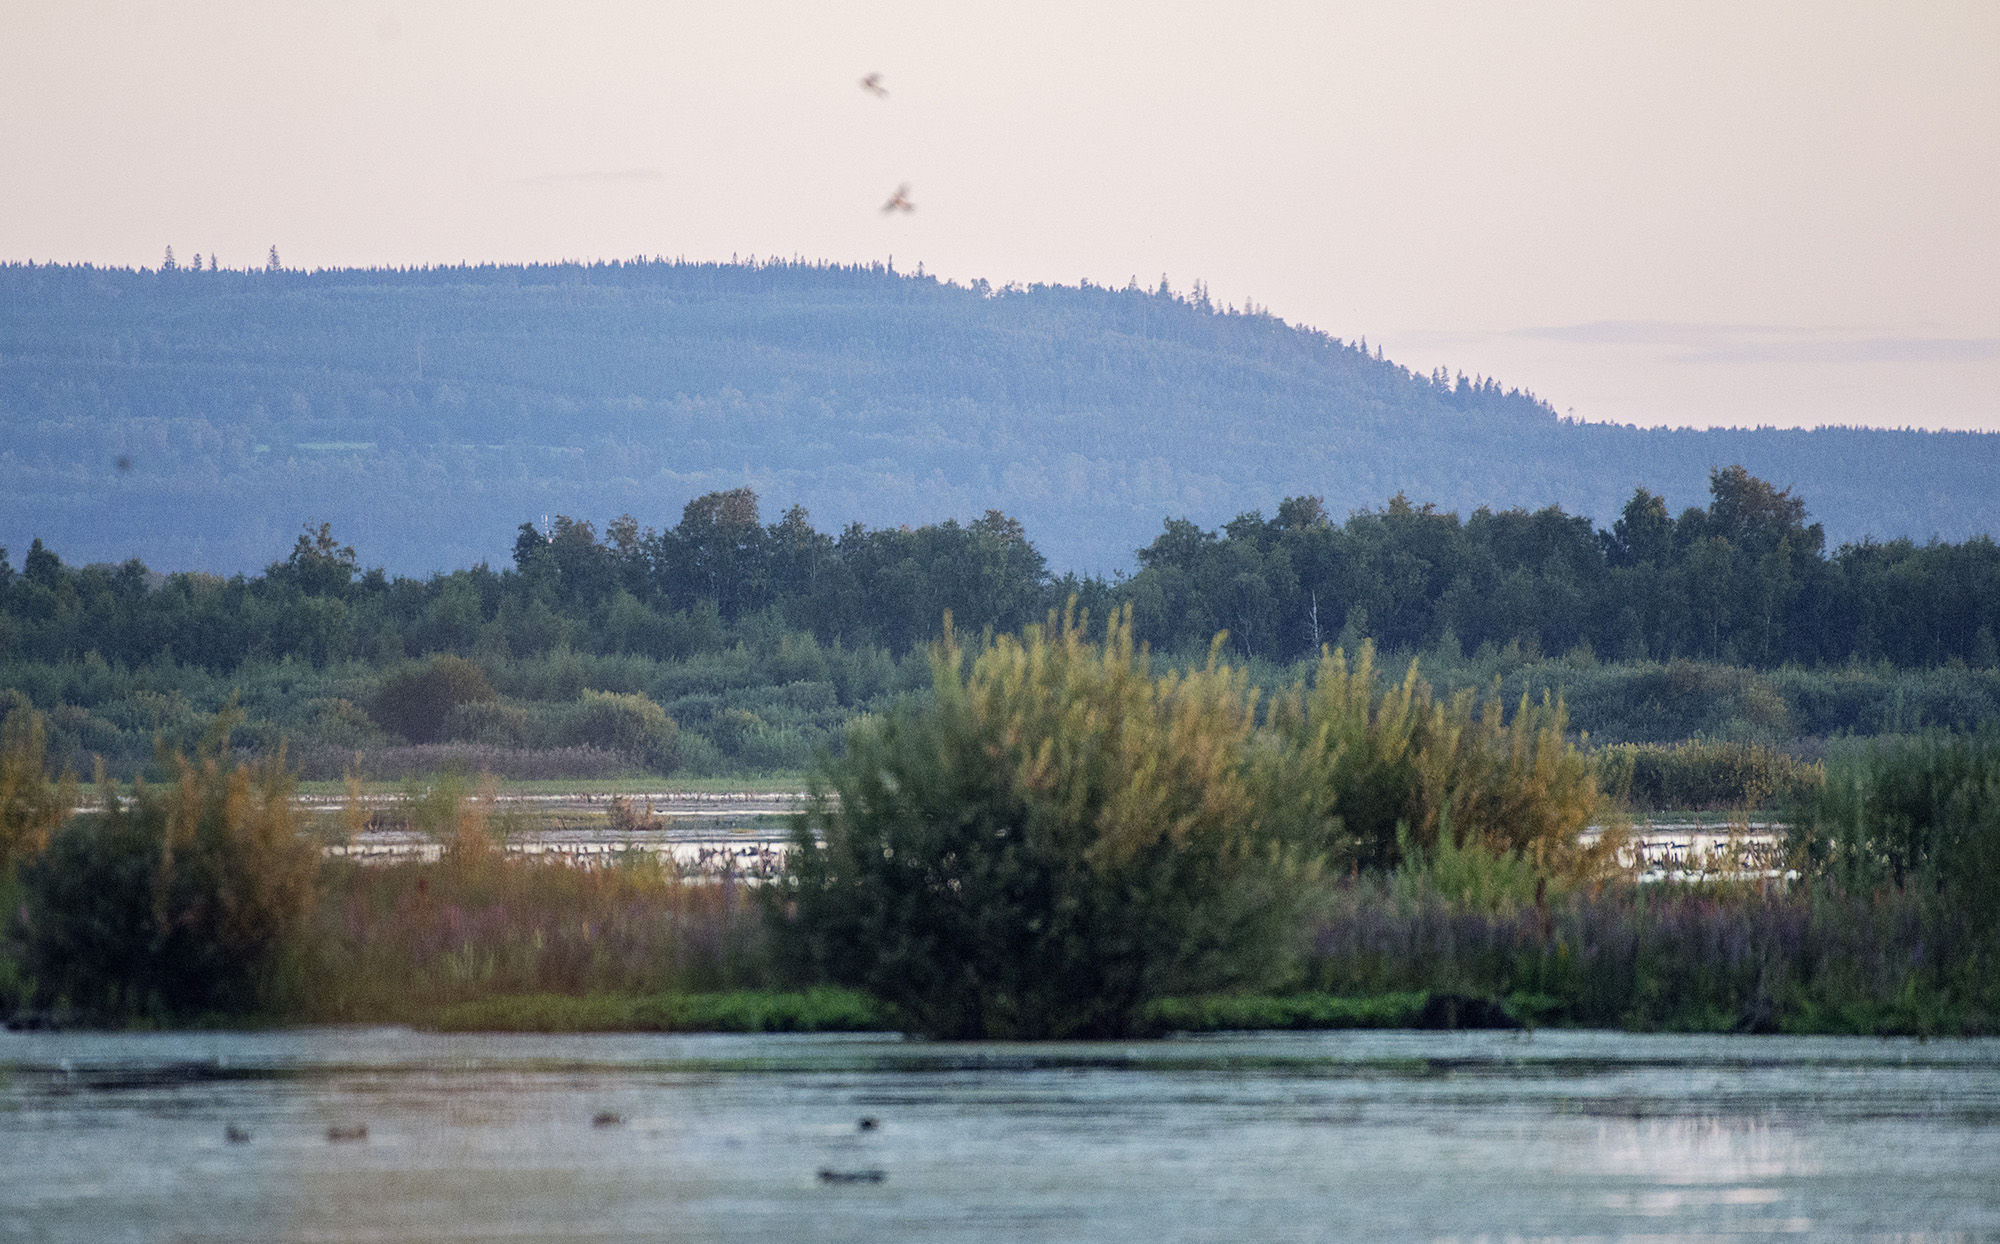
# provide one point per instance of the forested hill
(195, 418)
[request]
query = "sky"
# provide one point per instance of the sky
(1681, 213)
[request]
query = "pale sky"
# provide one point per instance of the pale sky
(1657, 213)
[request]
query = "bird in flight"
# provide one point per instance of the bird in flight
(900, 201)
(873, 85)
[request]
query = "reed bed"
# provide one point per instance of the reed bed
(201, 900)
(400, 942)
(1708, 957)
(394, 764)
(520, 945)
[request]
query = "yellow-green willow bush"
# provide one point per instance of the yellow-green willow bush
(1376, 769)
(31, 805)
(1698, 775)
(1055, 838)
(1059, 835)
(177, 902)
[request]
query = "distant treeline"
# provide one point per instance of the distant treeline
(666, 594)
(1745, 581)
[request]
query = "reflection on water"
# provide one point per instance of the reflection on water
(1266, 1137)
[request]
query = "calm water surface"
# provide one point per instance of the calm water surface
(1364, 1136)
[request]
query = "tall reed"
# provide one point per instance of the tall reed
(1379, 769)
(398, 941)
(31, 803)
(1688, 957)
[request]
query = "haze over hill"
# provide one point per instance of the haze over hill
(195, 419)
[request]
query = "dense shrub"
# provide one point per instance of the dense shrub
(339, 722)
(1058, 835)
(1920, 812)
(178, 902)
(31, 805)
(491, 722)
(773, 698)
(1381, 767)
(624, 722)
(1702, 776)
(1664, 702)
(417, 700)
(1055, 838)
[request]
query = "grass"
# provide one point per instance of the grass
(482, 942)
(844, 1010)
(1919, 1013)
(478, 942)
(742, 1010)
(490, 944)
(1707, 957)
(1216, 1013)
(785, 781)
(407, 941)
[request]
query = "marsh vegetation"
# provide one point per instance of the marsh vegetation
(1030, 824)
(1058, 839)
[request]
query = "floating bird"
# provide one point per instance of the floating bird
(604, 1118)
(827, 1175)
(338, 1135)
(899, 201)
(873, 85)
(236, 1135)
(869, 1123)
(124, 462)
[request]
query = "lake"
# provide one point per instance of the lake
(1315, 1136)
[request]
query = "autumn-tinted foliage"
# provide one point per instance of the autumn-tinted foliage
(31, 805)
(1380, 768)
(177, 902)
(1697, 776)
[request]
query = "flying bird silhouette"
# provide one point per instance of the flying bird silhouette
(900, 201)
(873, 85)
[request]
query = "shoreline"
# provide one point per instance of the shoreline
(826, 1009)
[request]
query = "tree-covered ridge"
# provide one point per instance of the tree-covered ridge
(190, 417)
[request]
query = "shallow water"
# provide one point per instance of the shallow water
(108, 1137)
